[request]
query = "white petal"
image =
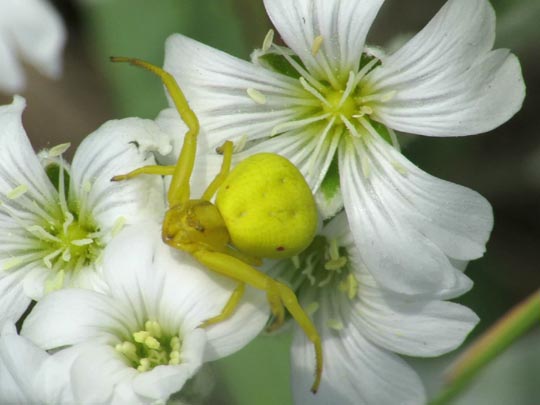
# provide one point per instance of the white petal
(35, 31)
(19, 165)
(355, 372)
(404, 224)
(446, 79)
(97, 373)
(13, 300)
(216, 85)
(118, 147)
(343, 26)
(12, 76)
(19, 361)
(72, 316)
(417, 327)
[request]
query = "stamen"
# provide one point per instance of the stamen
(58, 149)
(317, 42)
(322, 139)
(82, 242)
(48, 259)
(303, 72)
(383, 98)
(314, 91)
(335, 324)
(117, 227)
(42, 234)
(256, 96)
(399, 167)
(56, 282)
(348, 88)
(66, 255)
(365, 70)
(349, 286)
(287, 126)
(17, 192)
(395, 141)
(268, 40)
(312, 308)
(240, 143)
(12, 262)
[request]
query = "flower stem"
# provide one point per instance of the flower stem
(487, 347)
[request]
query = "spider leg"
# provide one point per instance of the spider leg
(179, 190)
(243, 273)
(229, 307)
(159, 170)
(226, 149)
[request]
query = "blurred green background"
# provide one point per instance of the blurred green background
(503, 165)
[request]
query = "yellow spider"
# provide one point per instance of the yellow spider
(263, 209)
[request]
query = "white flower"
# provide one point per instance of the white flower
(32, 30)
(56, 220)
(330, 105)
(140, 342)
(363, 327)
(29, 375)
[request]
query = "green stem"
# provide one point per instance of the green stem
(500, 336)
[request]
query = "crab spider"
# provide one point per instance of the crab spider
(264, 209)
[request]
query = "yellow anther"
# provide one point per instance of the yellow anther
(152, 343)
(400, 168)
(82, 242)
(13, 262)
(312, 308)
(268, 40)
(118, 225)
(349, 286)
(335, 264)
(256, 96)
(154, 328)
(317, 42)
(17, 192)
(58, 149)
(140, 336)
(335, 324)
(55, 283)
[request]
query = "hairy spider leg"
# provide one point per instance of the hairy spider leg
(179, 189)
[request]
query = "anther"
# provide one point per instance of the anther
(317, 42)
(256, 96)
(335, 324)
(17, 192)
(268, 40)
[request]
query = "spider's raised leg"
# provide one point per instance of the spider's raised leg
(179, 188)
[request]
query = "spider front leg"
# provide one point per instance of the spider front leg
(179, 189)
(243, 273)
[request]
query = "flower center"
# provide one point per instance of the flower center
(62, 235)
(150, 347)
(324, 264)
(338, 106)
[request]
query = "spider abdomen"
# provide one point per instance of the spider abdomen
(268, 207)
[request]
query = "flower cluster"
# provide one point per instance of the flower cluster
(118, 315)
